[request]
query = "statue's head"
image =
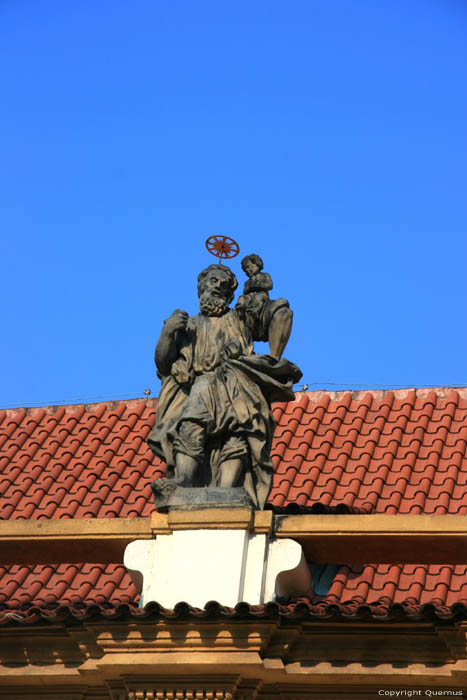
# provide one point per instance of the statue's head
(216, 288)
(251, 264)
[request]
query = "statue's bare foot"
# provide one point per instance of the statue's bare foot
(165, 487)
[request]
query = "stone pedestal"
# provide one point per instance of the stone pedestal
(169, 496)
(198, 564)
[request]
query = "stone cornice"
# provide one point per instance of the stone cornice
(254, 653)
(352, 539)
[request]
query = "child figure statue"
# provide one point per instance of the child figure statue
(268, 319)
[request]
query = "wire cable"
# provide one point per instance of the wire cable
(83, 399)
(300, 387)
(387, 386)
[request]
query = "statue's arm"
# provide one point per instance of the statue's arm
(262, 282)
(167, 348)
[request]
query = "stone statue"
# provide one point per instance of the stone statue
(267, 319)
(214, 423)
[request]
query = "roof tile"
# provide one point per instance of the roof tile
(393, 452)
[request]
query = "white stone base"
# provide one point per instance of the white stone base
(227, 566)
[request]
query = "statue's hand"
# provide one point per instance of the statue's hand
(176, 322)
(232, 350)
(240, 306)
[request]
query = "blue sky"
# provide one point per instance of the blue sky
(330, 137)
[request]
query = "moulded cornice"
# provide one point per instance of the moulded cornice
(354, 539)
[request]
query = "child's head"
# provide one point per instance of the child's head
(252, 264)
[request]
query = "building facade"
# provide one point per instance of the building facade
(372, 485)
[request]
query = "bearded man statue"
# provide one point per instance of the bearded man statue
(214, 423)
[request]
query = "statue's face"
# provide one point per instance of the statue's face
(251, 268)
(215, 292)
(217, 283)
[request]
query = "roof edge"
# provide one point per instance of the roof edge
(441, 392)
(87, 407)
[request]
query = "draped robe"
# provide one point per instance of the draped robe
(215, 403)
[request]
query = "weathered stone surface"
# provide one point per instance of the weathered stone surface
(169, 496)
(214, 422)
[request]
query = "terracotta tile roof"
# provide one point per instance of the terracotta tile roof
(378, 452)
(394, 452)
(375, 452)
(379, 591)
(77, 461)
(70, 584)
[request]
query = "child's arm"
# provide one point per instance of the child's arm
(260, 282)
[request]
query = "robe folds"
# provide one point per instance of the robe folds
(215, 404)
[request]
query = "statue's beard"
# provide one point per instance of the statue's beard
(212, 304)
